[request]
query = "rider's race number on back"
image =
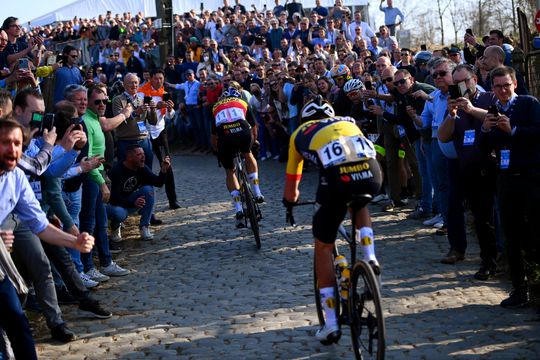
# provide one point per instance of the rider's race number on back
(346, 149)
(229, 115)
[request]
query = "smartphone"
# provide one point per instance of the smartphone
(202, 6)
(48, 121)
(462, 88)
(368, 85)
(423, 47)
(77, 122)
(454, 91)
(51, 60)
(166, 97)
(147, 100)
(370, 102)
(36, 121)
(23, 63)
(493, 110)
(469, 31)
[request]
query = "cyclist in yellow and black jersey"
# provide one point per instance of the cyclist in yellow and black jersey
(234, 131)
(347, 164)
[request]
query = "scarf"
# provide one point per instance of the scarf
(148, 90)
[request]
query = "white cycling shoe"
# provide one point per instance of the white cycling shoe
(328, 334)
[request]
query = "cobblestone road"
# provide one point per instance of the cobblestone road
(200, 290)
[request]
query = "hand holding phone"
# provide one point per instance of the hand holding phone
(147, 100)
(23, 64)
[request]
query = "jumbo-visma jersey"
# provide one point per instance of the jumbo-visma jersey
(327, 143)
(229, 110)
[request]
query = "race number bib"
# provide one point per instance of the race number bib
(468, 137)
(505, 159)
(36, 188)
(229, 115)
(346, 149)
(142, 127)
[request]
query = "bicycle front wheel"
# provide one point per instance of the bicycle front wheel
(367, 322)
(251, 213)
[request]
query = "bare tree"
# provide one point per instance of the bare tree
(442, 6)
(458, 17)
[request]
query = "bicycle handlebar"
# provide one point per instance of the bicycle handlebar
(289, 217)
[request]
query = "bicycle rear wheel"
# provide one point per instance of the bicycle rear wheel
(251, 213)
(367, 322)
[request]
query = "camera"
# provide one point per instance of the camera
(147, 99)
(259, 40)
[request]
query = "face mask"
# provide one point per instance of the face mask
(206, 58)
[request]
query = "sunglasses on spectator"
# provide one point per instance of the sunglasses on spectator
(388, 79)
(339, 78)
(273, 83)
(400, 82)
(100, 101)
(439, 74)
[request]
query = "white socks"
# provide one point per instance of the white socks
(236, 200)
(364, 238)
(254, 179)
(328, 302)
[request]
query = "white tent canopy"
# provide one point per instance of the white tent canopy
(92, 8)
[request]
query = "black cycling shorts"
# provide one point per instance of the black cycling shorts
(233, 138)
(337, 188)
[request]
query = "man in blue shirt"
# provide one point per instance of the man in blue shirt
(390, 16)
(434, 113)
(191, 107)
(18, 198)
(68, 74)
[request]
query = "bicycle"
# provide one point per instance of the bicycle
(252, 211)
(361, 307)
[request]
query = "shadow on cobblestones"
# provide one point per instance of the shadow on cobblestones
(200, 290)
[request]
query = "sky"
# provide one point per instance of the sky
(27, 10)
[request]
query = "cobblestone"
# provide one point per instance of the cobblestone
(201, 290)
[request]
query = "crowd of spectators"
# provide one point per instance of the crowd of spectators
(116, 104)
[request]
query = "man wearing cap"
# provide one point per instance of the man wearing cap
(455, 55)
(189, 104)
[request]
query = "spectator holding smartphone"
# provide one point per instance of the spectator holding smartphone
(158, 133)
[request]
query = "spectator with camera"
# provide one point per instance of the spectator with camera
(512, 130)
(158, 133)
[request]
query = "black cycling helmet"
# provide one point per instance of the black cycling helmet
(316, 109)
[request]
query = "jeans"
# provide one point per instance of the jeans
(73, 205)
(122, 146)
(157, 145)
(33, 264)
(93, 219)
(15, 323)
(439, 166)
(427, 189)
(183, 128)
(194, 114)
(119, 214)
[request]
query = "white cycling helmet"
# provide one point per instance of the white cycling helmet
(353, 85)
(316, 109)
